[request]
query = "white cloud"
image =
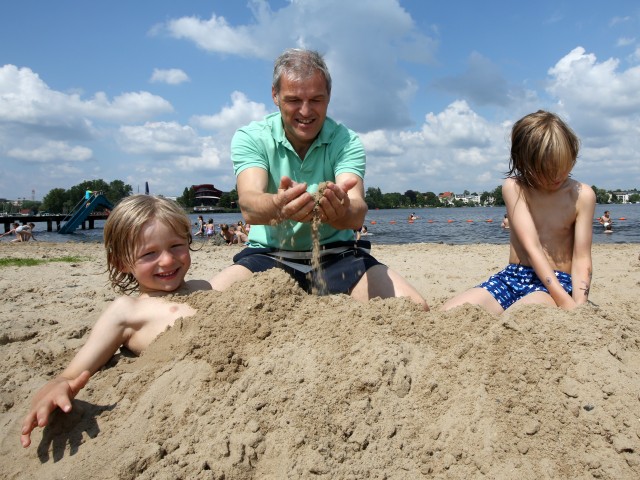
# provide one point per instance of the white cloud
(172, 76)
(454, 147)
(215, 35)
(362, 69)
(459, 146)
(26, 99)
(174, 144)
(625, 41)
(159, 138)
(51, 151)
(617, 20)
(241, 112)
(595, 89)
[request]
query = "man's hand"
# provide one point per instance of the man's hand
(57, 393)
(293, 202)
(335, 202)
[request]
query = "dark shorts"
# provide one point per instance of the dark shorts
(517, 281)
(338, 273)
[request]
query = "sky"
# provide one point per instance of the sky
(153, 90)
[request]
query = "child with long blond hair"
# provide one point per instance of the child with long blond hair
(147, 242)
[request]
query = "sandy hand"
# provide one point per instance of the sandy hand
(293, 201)
(334, 202)
(57, 393)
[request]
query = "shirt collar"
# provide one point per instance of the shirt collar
(277, 131)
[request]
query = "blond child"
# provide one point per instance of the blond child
(551, 218)
(147, 243)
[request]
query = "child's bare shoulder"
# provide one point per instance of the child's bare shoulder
(584, 194)
(120, 309)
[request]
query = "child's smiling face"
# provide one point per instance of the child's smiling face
(162, 258)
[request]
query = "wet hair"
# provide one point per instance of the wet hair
(542, 146)
(122, 231)
(299, 64)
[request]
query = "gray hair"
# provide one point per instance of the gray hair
(299, 64)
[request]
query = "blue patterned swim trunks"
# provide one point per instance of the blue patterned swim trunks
(517, 281)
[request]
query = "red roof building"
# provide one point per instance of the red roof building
(206, 195)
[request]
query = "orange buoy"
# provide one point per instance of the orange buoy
(430, 221)
(373, 222)
(489, 220)
(469, 221)
(449, 221)
(622, 218)
(392, 221)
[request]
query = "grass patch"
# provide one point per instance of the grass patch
(32, 262)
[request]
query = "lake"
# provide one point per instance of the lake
(464, 225)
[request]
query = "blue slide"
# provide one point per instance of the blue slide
(83, 210)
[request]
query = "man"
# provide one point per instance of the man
(605, 220)
(280, 162)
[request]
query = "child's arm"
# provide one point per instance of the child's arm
(108, 334)
(523, 226)
(581, 266)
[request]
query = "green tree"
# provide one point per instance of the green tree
(497, 195)
(53, 202)
(117, 190)
(634, 197)
(431, 199)
(229, 200)
(32, 205)
(392, 200)
(411, 196)
(188, 197)
(373, 198)
(602, 196)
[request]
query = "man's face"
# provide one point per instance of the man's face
(303, 105)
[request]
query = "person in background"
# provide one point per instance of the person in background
(199, 227)
(605, 219)
(551, 222)
(505, 222)
(210, 228)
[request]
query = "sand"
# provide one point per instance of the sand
(268, 382)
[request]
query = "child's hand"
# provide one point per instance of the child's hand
(567, 303)
(57, 393)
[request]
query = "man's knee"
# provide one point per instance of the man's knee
(380, 281)
(229, 276)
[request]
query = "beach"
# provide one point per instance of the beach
(267, 382)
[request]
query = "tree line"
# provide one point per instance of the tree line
(414, 199)
(61, 201)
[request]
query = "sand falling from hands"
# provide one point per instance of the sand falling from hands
(318, 284)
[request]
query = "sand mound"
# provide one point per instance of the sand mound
(269, 382)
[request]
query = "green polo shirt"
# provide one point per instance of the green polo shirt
(263, 144)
